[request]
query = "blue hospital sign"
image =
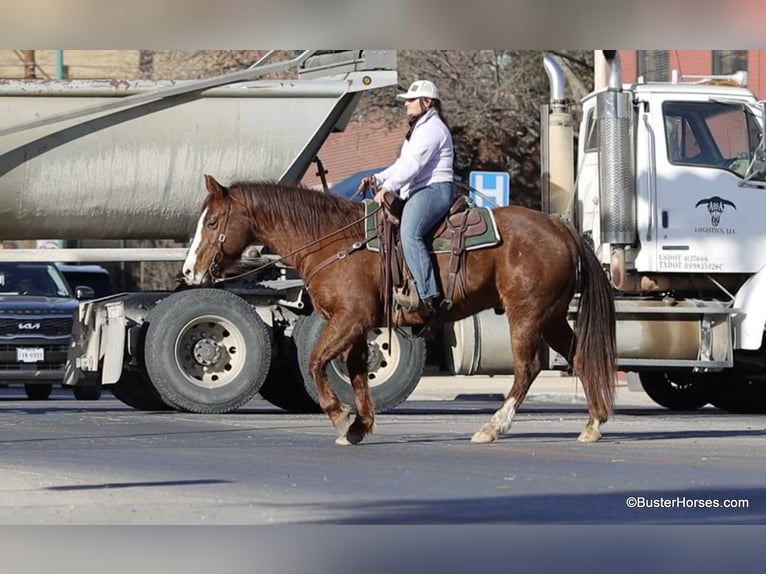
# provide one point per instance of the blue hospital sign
(494, 188)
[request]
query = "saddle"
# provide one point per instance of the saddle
(465, 227)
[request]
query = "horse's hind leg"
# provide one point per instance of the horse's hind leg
(561, 338)
(527, 365)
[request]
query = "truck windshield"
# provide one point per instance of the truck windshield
(710, 134)
(32, 279)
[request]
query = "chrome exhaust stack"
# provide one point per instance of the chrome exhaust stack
(617, 187)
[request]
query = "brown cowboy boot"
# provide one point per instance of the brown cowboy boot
(434, 312)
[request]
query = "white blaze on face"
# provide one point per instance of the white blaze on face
(190, 276)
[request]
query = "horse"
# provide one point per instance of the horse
(532, 274)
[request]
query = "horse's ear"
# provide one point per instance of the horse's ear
(214, 188)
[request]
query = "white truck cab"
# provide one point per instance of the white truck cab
(671, 189)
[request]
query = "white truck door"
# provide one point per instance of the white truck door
(706, 221)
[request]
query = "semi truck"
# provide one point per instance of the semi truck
(665, 182)
(669, 182)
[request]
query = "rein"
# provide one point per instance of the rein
(213, 269)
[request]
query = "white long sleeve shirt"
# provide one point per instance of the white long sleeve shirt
(425, 158)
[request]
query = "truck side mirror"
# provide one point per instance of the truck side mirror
(84, 292)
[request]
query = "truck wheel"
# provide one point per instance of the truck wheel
(87, 392)
(206, 350)
(284, 384)
(38, 392)
(677, 391)
(393, 370)
(739, 393)
(137, 391)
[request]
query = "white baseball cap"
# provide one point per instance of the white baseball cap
(420, 89)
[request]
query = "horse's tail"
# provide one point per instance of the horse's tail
(595, 360)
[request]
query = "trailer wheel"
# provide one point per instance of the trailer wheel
(284, 386)
(136, 390)
(677, 391)
(87, 392)
(38, 392)
(393, 370)
(739, 393)
(206, 351)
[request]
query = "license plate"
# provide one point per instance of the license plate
(30, 355)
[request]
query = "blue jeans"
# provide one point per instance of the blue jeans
(422, 211)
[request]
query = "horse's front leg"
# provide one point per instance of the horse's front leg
(356, 363)
(336, 338)
(338, 413)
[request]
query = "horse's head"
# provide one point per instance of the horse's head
(222, 234)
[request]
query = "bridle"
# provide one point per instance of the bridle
(214, 269)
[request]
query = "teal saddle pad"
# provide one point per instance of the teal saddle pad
(441, 244)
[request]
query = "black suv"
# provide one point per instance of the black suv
(94, 276)
(36, 312)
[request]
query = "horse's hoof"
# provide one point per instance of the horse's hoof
(482, 436)
(354, 435)
(589, 435)
(351, 438)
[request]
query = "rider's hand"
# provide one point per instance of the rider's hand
(379, 196)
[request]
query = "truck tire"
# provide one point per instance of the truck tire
(284, 386)
(677, 391)
(37, 392)
(136, 390)
(87, 392)
(739, 393)
(391, 377)
(206, 351)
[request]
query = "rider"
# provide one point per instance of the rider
(423, 177)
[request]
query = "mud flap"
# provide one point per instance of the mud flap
(114, 339)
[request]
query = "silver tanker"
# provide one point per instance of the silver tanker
(125, 159)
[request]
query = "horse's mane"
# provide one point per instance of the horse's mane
(311, 212)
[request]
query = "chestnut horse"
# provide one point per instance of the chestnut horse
(531, 274)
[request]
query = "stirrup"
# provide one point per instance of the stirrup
(410, 301)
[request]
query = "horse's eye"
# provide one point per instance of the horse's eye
(211, 224)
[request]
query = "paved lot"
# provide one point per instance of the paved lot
(100, 462)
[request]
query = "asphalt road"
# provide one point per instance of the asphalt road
(76, 462)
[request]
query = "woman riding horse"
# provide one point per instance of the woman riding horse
(532, 275)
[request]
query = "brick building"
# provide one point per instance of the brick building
(362, 145)
(658, 65)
